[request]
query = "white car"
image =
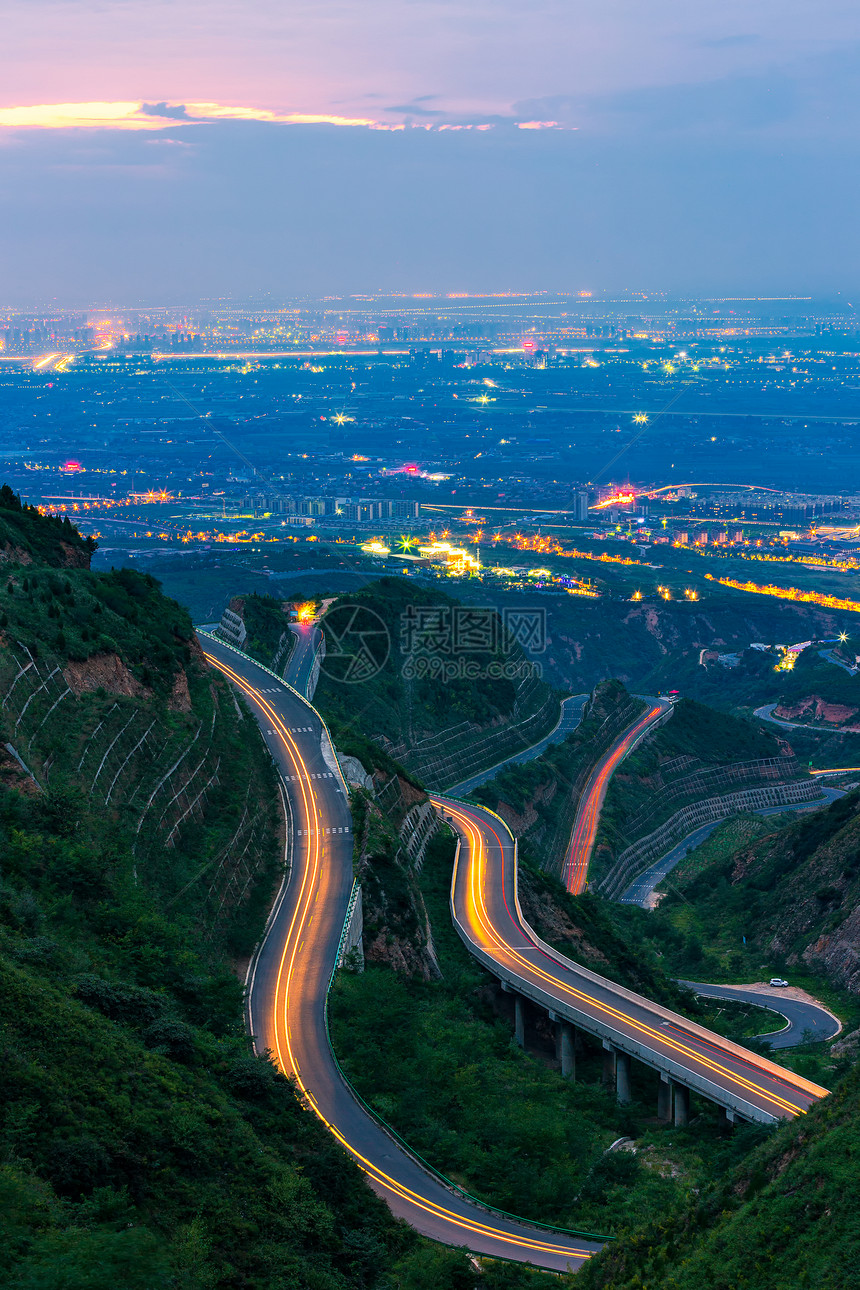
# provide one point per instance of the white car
(777, 980)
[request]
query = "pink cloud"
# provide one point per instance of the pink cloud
(327, 59)
(123, 115)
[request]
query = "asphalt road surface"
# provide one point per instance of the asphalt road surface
(574, 872)
(807, 1021)
(571, 715)
(487, 915)
(290, 975)
(301, 662)
(641, 888)
(765, 713)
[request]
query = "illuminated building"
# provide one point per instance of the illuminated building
(456, 559)
(580, 505)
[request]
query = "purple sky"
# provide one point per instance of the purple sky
(154, 149)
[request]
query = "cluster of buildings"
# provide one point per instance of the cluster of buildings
(35, 335)
(701, 537)
(308, 510)
(456, 560)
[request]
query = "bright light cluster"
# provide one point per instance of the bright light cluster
(790, 593)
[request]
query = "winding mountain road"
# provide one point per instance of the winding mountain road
(641, 889)
(487, 915)
(805, 1019)
(290, 976)
(569, 718)
(574, 872)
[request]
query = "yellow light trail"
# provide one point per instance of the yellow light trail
(480, 921)
(293, 942)
(588, 815)
(789, 593)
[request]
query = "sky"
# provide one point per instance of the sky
(161, 151)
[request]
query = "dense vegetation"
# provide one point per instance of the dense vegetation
(538, 798)
(814, 675)
(764, 897)
(784, 1218)
(713, 738)
(674, 766)
(408, 668)
(689, 1207)
(267, 623)
(825, 749)
(436, 1059)
(142, 1144)
(26, 535)
(753, 681)
(655, 645)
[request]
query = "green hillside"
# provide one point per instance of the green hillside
(441, 687)
(27, 536)
(538, 798)
(814, 677)
(142, 1144)
(434, 1056)
(783, 1219)
(655, 645)
(699, 753)
(793, 893)
(702, 1206)
(267, 623)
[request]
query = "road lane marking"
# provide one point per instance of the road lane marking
(283, 1029)
(478, 917)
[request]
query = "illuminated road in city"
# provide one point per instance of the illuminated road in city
(290, 975)
(574, 873)
(487, 915)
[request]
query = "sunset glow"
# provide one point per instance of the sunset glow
(124, 115)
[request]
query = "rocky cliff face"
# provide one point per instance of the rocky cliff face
(393, 823)
(814, 708)
(595, 639)
(837, 953)
(810, 873)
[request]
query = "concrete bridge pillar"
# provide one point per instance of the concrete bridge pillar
(567, 1049)
(622, 1078)
(664, 1100)
(682, 1104)
(608, 1063)
(520, 1020)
